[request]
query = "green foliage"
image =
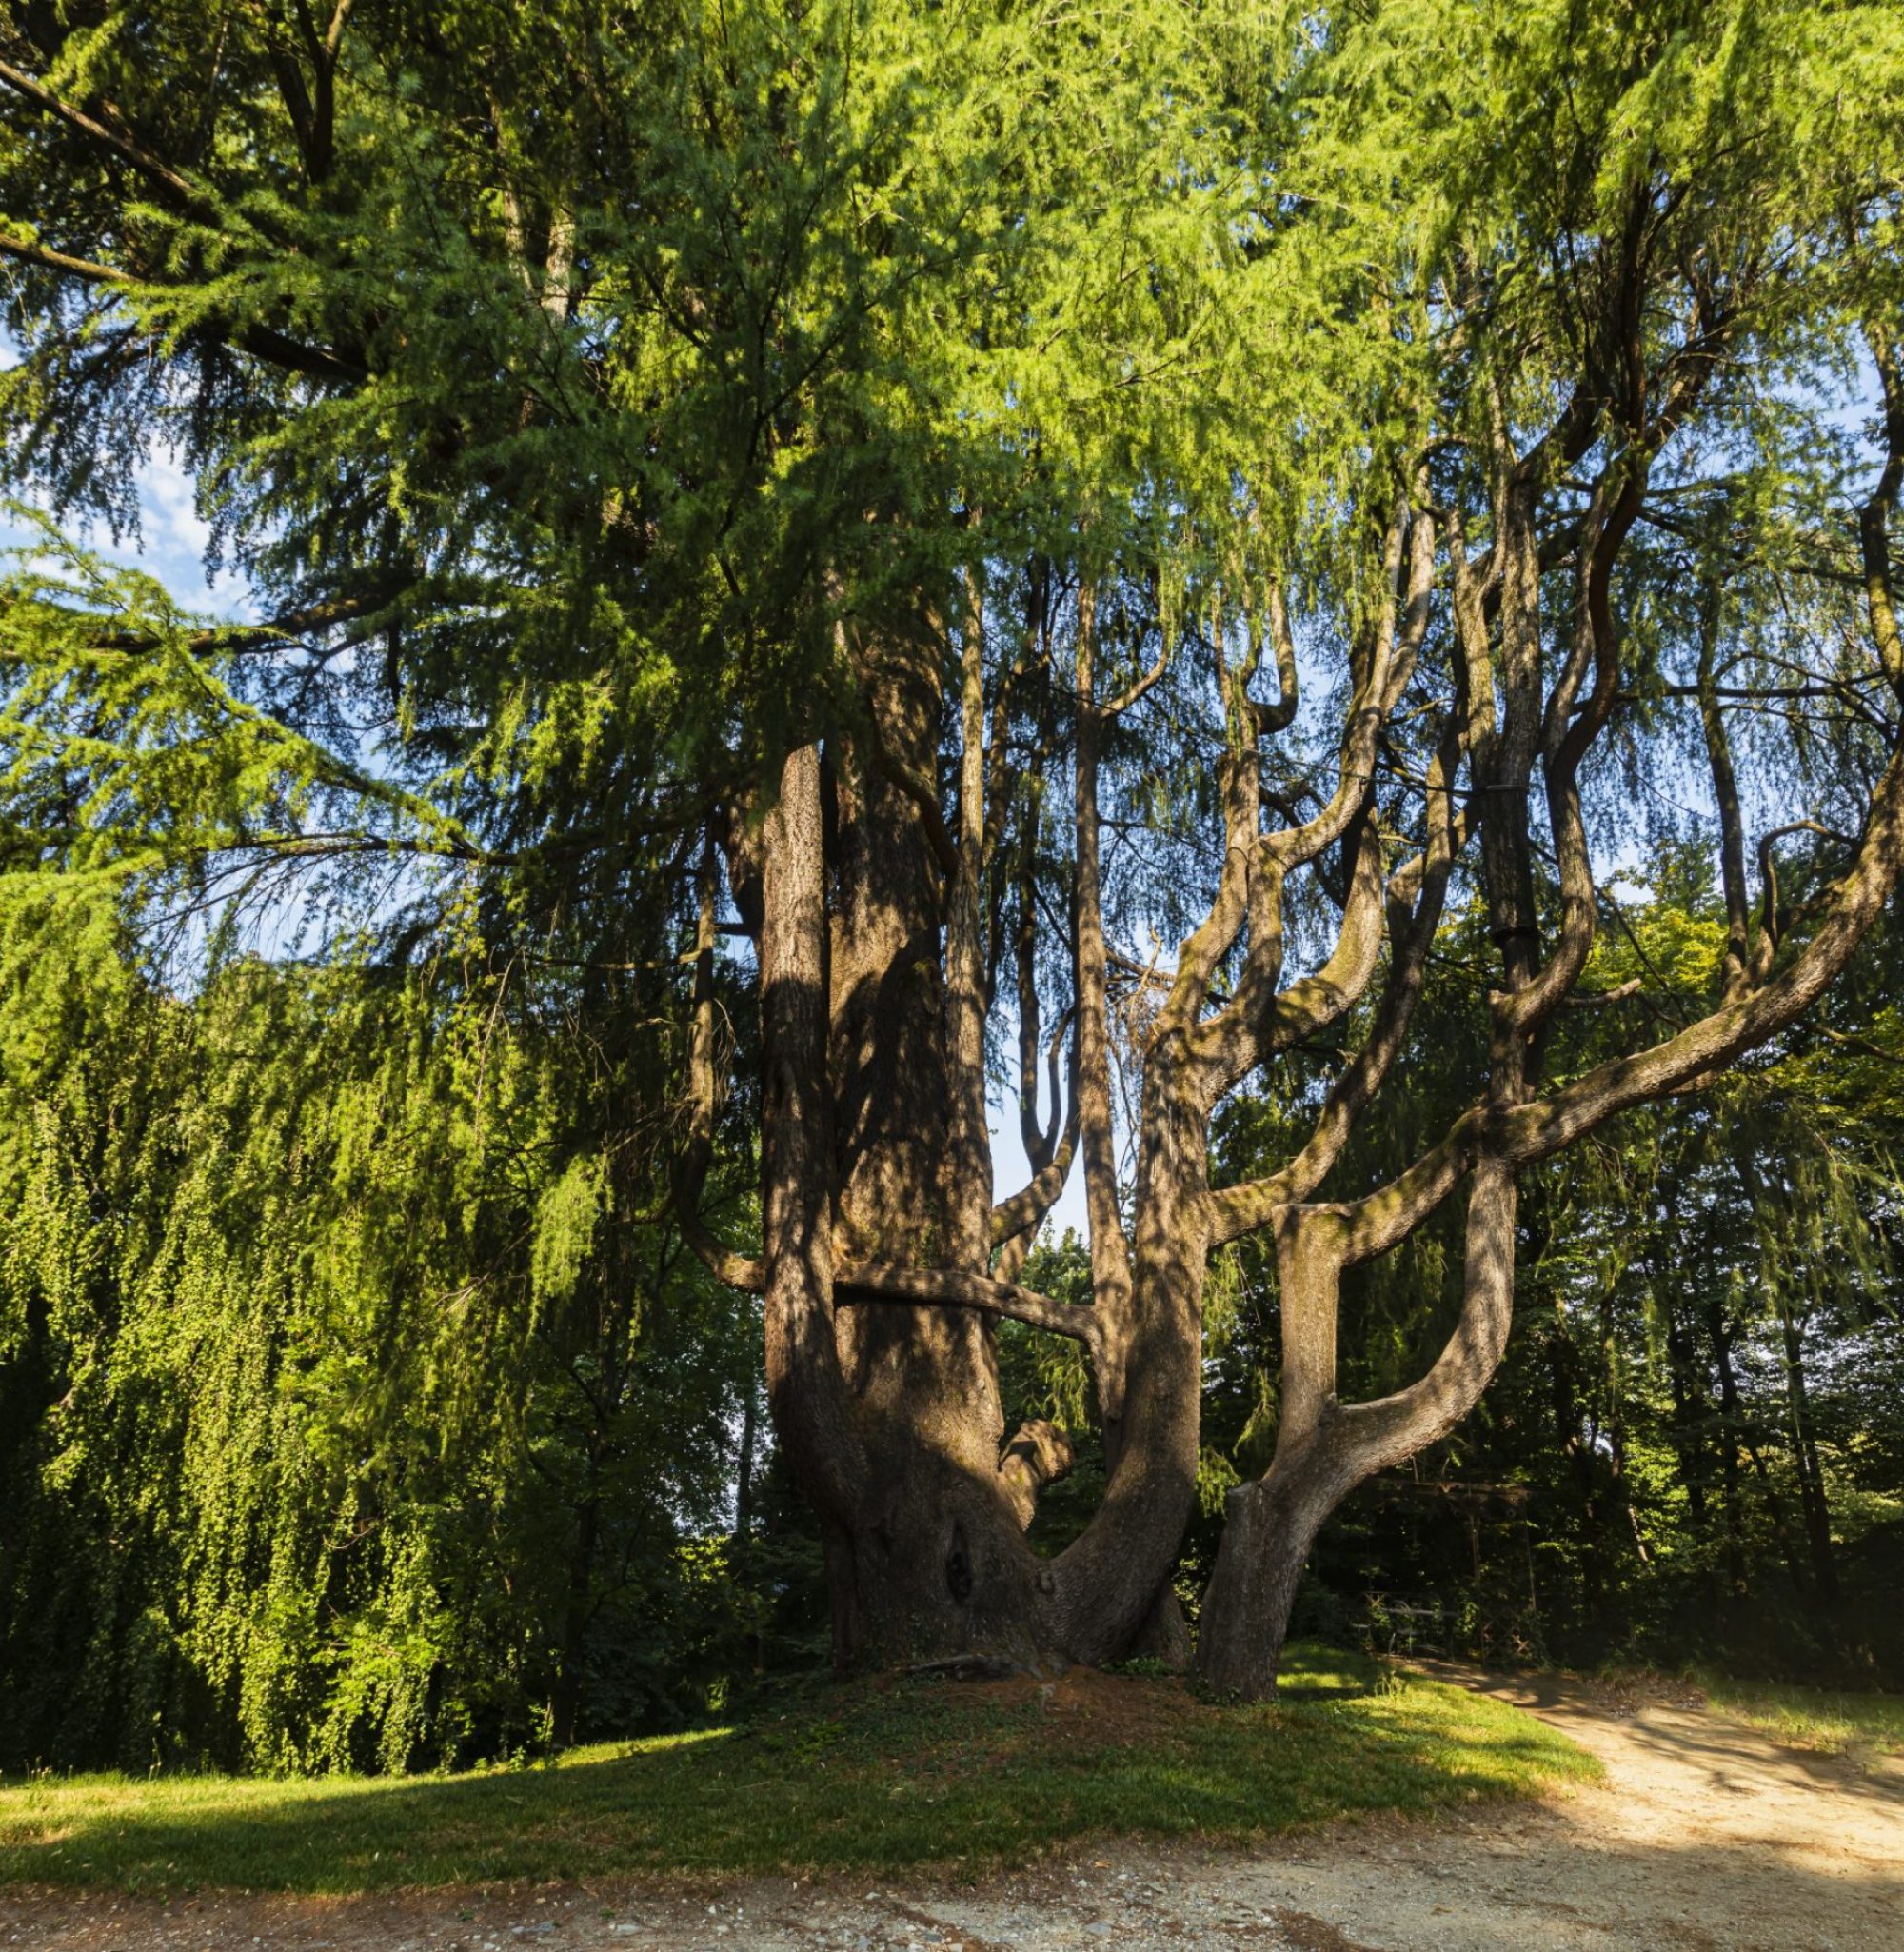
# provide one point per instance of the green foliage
(599, 444)
(567, 380)
(1865, 1726)
(316, 1455)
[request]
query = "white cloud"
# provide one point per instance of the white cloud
(176, 537)
(172, 540)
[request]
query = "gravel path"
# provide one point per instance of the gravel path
(1707, 1835)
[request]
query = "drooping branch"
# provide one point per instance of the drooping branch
(106, 130)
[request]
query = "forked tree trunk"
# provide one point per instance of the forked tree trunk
(929, 1558)
(1325, 1449)
(891, 1414)
(1268, 1530)
(873, 1118)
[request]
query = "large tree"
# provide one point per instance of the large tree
(835, 479)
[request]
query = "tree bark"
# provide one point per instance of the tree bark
(1813, 1498)
(1719, 1327)
(934, 1553)
(890, 1414)
(1325, 1449)
(890, 1409)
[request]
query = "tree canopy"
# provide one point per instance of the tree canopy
(1311, 591)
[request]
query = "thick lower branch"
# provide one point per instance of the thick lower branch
(952, 1287)
(739, 1271)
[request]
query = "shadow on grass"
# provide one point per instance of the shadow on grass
(880, 1776)
(1721, 1746)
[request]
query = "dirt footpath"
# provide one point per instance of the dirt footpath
(1707, 1835)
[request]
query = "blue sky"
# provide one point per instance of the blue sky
(171, 544)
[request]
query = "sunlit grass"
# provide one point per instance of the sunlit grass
(876, 1777)
(1831, 1719)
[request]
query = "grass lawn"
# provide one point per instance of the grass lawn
(900, 1773)
(1826, 1719)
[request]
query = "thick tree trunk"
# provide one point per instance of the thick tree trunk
(891, 1414)
(1325, 1449)
(931, 1558)
(1268, 1528)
